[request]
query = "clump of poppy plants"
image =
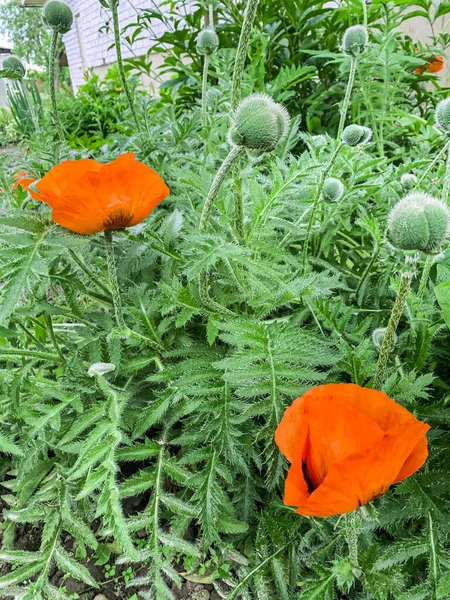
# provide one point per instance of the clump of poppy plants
(227, 349)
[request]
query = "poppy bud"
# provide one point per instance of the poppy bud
(58, 16)
(378, 337)
(333, 189)
(13, 68)
(408, 181)
(353, 135)
(355, 40)
(259, 123)
(442, 115)
(419, 222)
(207, 41)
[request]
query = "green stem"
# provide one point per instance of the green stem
(48, 321)
(238, 206)
(241, 55)
(115, 15)
(211, 15)
(348, 95)
(89, 274)
(316, 201)
(364, 7)
(113, 283)
(9, 352)
(394, 320)
(204, 88)
(52, 83)
(205, 298)
(431, 165)
(376, 250)
(232, 156)
(352, 538)
(425, 275)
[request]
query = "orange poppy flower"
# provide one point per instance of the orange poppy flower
(88, 197)
(434, 65)
(347, 445)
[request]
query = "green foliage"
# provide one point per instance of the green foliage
(164, 463)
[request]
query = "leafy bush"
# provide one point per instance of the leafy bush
(142, 383)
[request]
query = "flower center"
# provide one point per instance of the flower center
(118, 219)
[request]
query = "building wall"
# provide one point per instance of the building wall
(88, 48)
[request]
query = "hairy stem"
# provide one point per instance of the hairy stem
(113, 283)
(233, 154)
(241, 55)
(53, 57)
(364, 7)
(211, 15)
(446, 190)
(434, 161)
(204, 88)
(352, 538)
(425, 275)
(394, 319)
(205, 298)
(115, 15)
(348, 95)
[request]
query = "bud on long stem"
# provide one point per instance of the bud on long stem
(348, 95)
(394, 320)
(249, 18)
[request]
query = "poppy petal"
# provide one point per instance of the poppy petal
(66, 176)
(296, 489)
(287, 432)
(363, 476)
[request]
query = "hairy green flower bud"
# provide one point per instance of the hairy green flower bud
(378, 337)
(408, 181)
(442, 115)
(259, 123)
(12, 68)
(419, 222)
(207, 41)
(355, 40)
(58, 16)
(333, 189)
(354, 135)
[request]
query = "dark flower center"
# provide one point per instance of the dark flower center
(118, 219)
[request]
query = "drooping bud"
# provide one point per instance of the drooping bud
(355, 40)
(442, 115)
(408, 181)
(12, 68)
(58, 15)
(333, 189)
(259, 123)
(378, 337)
(419, 222)
(355, 135)
(207, 41)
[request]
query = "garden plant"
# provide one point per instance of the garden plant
(225, 312)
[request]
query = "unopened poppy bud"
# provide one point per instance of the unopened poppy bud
(354, 135)
(12, 68)
(419, 222)
(408, 181)
(355, 40)
(58, 16)
(333, 189)
(259, 123)
(442, 115)
(207, 41)
(378, 337)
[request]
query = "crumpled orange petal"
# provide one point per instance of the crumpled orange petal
(88, 197)
(347, 446)
(24, 180)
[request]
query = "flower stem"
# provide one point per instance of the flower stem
(394, 319)
(348, 94)
(238, 206)
(115, 15)
(425, 276)
(315, 204)
(446, 190)
(241, 55)
(211, 15)
(232, 156)
(204, 88)
(52, 83)
(352, 538)
(364, 7)
(113, 283)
